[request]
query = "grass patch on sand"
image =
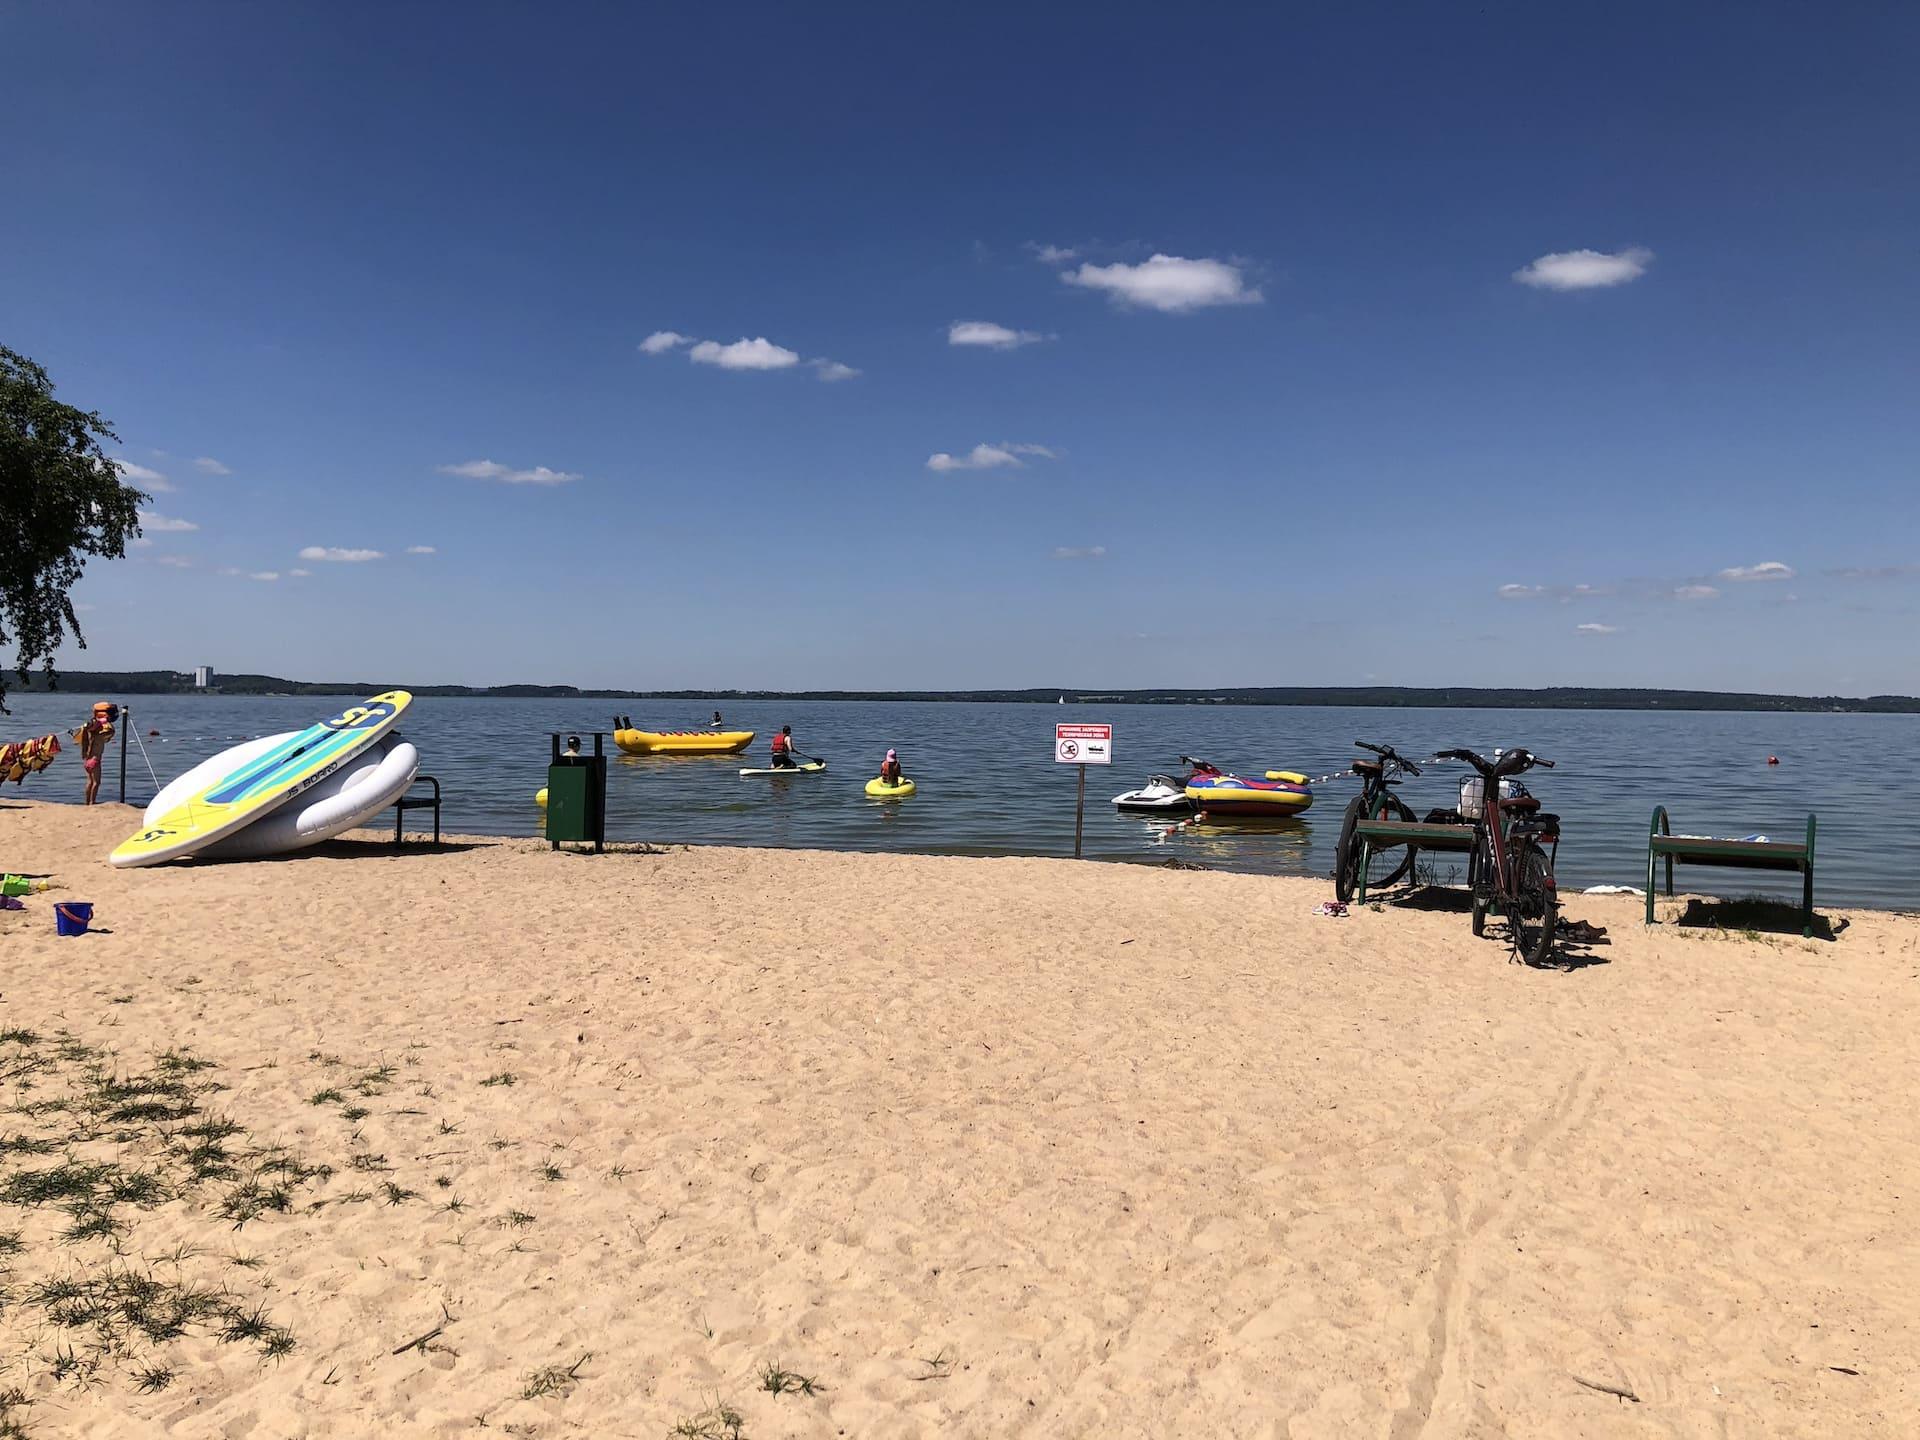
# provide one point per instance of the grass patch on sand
(90, 1145)
(777, 1381)
(719, 1421)
(553, 1380)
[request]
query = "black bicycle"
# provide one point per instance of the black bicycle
(1376, 801)
(1514, 847)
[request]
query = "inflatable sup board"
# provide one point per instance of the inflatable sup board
(255, 786)
(352, 795)
(806, 769)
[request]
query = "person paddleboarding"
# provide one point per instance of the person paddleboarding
(783, 749)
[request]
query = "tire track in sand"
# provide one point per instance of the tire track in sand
(1444, 1370)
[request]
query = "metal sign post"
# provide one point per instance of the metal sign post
(1082, 745)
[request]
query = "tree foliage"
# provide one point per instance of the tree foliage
(61, 500)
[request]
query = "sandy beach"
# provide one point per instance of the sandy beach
(765, 1143)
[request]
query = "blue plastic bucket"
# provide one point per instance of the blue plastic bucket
(71, 917)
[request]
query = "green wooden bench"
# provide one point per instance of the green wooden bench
(1391, 834)
(1731, 854)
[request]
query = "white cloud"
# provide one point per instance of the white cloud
(207, 465)
(1695, 592)
(236, 572)
(1874, 572)
(422, 550)
(341, 556)
(758, 353)
(178, 562)
(144, 478)
(1053, 254)
(1079, 552)
(1585, 269)
(1168, 282)
(1597, 629)
(988, 457)
(507, 475)
(1765, 570)
(989, 335)
(165, 524)
(1562, 593)
(299, 574)
(143, 543)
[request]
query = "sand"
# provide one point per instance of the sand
(982, 1147)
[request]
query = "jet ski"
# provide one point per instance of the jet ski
(1165, 794)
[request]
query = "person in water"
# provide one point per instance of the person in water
(717, 722)
(890, 768)
(783, 749)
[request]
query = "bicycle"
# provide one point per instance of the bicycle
(1512, 864)
(1376, 801)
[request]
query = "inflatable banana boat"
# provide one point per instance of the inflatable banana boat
(1282, 793)
(682, 742)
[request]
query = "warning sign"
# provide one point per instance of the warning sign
(1083, 744)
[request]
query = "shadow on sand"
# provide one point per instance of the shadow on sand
(1573, 948)
(1752, 912)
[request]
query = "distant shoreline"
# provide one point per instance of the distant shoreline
(164, 682)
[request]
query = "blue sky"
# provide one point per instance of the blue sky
(360, 279)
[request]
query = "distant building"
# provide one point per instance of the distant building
(202, 676)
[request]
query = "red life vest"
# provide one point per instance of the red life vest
(781, 744)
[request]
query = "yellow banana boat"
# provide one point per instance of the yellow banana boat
(682, 742)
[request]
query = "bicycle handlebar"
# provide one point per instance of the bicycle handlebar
(1387, 752)
(1511, 762)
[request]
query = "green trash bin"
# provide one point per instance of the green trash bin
(577, 797)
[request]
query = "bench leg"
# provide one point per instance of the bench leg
(1360, 890)
(399, 819)
(1652, 861)
(436, 824)
(1806, 905)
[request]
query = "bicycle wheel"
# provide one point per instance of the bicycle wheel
(1480, 880)
(1536, 905)
(1384, 867)
(1392, 865)
(1346, 854)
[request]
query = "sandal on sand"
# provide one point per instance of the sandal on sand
(1335, 908)
(1582, 932)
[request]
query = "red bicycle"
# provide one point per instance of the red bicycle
(1514, 846)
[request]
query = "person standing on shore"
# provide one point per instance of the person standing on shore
(93, 737)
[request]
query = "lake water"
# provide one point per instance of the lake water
(988, 784)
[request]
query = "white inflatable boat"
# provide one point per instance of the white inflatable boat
(363, 787)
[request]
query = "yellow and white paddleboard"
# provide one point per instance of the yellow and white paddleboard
(263, 782)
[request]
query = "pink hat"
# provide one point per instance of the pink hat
(892, 755)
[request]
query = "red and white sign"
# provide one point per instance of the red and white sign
(1083, 744)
